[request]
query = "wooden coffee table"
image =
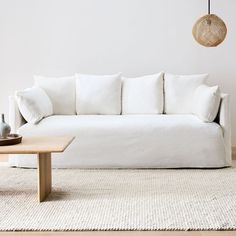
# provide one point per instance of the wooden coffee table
(43, 147)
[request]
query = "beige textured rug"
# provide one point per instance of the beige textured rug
(120, 200)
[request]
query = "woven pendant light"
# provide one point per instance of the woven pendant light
(210, 30)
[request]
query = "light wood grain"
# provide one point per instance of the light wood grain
(34, 145)
(124, 233)
(43, 146)
(234, 153)
(3, 157)
(44, 176)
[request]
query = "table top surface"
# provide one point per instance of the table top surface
(34, 145)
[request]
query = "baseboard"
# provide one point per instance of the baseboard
(234, 153)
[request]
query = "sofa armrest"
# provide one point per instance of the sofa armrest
(225, 123)
(16, 120)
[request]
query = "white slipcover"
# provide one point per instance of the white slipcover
(143, 95)
(206, 101)
(98, 94)
(34, 104)
(61, 91)
(179, 90)
(133, 141)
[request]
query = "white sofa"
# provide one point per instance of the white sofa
(133, 140)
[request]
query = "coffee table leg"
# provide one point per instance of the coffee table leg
(44, 176)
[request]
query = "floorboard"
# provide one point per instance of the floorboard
(123, 233)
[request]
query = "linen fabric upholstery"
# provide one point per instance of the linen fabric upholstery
(34, 104)
(61, 91)
(16, 120)
(98, 94)
(206, 102)
(143, 95)
(224, 116)
(132, 141)
(179, 91)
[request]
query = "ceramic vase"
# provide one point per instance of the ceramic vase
(5, 129)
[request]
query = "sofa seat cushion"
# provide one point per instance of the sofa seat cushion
(130, 141)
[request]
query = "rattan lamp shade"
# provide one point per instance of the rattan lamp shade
(209, 30)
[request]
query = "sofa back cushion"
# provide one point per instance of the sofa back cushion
(98, 94)
(34, 104)
(143, 95)
(61, 91)
(206, 102)
(179, 91)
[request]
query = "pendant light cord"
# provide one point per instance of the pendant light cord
(209, 7)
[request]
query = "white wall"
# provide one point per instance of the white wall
(60, 37)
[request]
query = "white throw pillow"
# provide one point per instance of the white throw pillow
(179, 90)
(206, 102)
(61, 91)
(98, 94)
(143, 95)
(34, 104)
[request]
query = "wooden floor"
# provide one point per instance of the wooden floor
(124, 233)
(120, 233)
(3, 157)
